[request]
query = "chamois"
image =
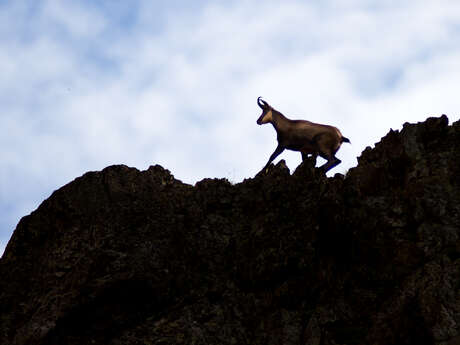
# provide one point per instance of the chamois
(301, 135)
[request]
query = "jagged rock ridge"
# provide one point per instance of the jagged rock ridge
(123, 256)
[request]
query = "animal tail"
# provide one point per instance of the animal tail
(345, 140)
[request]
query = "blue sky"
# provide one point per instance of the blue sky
(87, 84)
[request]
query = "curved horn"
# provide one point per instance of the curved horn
(261, 102)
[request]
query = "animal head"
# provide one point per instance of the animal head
(267, 112)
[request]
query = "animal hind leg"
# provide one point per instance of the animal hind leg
(327, 151)
(331, 163)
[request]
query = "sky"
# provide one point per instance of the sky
(87, 84)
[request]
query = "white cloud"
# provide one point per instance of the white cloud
(77, 20)
(84, 86)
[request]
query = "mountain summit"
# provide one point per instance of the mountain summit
(130, 257)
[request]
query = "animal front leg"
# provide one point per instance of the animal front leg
(304, 156)
(275, 154)
(311, 159)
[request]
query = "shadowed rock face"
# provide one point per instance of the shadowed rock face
(123, 256)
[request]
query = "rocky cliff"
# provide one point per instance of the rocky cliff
(123, 256)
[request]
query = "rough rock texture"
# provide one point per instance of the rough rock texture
(123, 256)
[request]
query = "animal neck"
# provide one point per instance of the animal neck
(279, 121)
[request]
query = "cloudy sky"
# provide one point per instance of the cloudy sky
(87, 84)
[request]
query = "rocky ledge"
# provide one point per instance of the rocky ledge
(123, 256)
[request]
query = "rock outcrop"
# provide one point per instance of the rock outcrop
(123, 256)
